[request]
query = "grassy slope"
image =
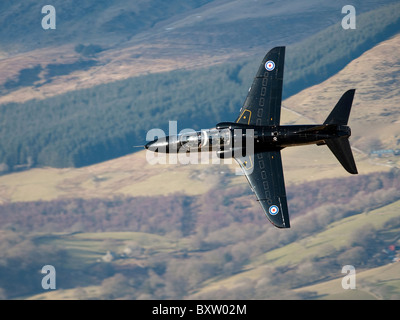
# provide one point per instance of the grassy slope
(72, 126)
(149, 36)
(129, 175)
(317, 246)
(132, 175)
(374, 75)
(368, 283)
(313, 246)
(89, 247)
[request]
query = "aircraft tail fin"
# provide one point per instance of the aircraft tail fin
(341, 112)
(340, 147)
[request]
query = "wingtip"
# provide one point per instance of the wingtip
(282, 226)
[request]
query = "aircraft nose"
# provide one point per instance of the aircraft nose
(158, 145)
(152, 145)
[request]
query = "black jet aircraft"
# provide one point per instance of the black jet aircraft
(259, 120)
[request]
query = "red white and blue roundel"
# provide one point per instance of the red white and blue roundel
(270, 65)
(273, 210)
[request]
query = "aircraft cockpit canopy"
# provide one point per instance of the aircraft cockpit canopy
(190, 139)
(216, 137)
(203, 138)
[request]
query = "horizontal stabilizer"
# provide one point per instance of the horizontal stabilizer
(340, 147)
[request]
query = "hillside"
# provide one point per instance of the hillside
(122, 40)
(323, 251)
(375, 76)
(103, 21)
(128, 229)
(102, 122)
(183, 231)
(376, 283)
(195, 247)
(195, 35)
(131, 175)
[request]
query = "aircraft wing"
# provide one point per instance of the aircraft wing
(265, 175)
(262, 106)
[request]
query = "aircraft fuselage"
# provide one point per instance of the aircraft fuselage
(229, 135)
(279, 137)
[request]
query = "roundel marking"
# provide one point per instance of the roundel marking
(270, 65)
(273, 210)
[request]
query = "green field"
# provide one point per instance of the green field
(324, 245)
(335, 237)
(372, 283)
